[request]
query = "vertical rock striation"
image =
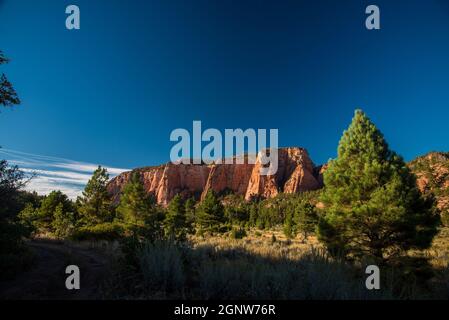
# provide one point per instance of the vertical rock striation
(296, 173)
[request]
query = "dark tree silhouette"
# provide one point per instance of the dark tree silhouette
(8, 96)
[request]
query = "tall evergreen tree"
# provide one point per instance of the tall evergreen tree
(8, 96)
(134, 202)
(253, 213)
(175, 223)
(210, 214)
(289, 226)
(301, 218)
(190, 207)
(372, 206)
(138, 210)
(94, 206)
(306, 218)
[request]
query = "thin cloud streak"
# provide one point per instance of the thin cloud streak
(52, 173)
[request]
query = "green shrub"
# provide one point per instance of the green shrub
(239, 233)
(103, 231)
(63, 222)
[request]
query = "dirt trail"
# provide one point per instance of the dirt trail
(46, 278)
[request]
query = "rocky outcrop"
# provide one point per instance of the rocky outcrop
(187, 180)
(228, 177)
(296, 173)
(164, 182)
(432, 172)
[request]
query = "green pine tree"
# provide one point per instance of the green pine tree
(371, 204)
(306, 218)
(134, 203)
(253, 214)
(289, 227)
(137, 210)
(94, 206)
(190, 213)
(210, 214)
(175, 223)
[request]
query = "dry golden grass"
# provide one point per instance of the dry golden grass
(438, 254)
(261, 243)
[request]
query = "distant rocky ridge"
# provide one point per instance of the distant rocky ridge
(296, 172)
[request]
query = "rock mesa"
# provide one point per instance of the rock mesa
(296, 173)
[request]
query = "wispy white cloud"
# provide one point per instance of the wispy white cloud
(52, 173)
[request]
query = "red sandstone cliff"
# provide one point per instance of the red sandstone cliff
(165, 181)
(296, 172)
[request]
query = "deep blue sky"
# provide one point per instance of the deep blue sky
(112, 92)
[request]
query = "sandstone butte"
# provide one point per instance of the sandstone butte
(296, 172)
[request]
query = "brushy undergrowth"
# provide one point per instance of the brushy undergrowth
(103, 231)
(244, 269)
